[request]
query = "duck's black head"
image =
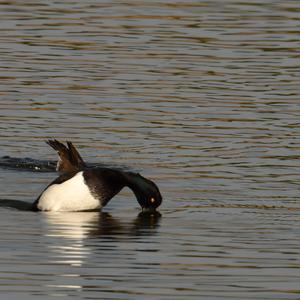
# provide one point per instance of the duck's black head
(145, 190)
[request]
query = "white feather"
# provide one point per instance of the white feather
(71, 195)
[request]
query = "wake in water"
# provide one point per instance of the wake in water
(16, 204)
(27, 164)
(37, 165)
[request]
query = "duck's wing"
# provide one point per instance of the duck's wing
(75, 156)
(69, 160)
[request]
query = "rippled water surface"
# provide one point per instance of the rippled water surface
(200, 96)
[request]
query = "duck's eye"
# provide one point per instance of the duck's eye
(152, 200)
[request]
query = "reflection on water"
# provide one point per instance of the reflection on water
(200, 96)
(70, 225)
(80, 225)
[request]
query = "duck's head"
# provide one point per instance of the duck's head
(151, 199)
(146, 192)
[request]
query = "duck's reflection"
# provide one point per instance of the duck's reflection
(92, 223)
(142, 224)
(146, 223)
(82, 225)
(84, 233)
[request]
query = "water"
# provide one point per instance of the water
(200, 96)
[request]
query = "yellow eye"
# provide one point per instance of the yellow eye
(152, 200)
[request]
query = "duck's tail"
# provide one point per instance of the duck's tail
(69, 159)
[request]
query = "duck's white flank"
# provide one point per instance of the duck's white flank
(71, 195)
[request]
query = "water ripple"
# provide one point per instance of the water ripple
(202, 97)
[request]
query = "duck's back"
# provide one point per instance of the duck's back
(104, 183)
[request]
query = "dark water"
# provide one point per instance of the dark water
(200, 96)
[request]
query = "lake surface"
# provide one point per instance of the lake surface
(200, 96)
